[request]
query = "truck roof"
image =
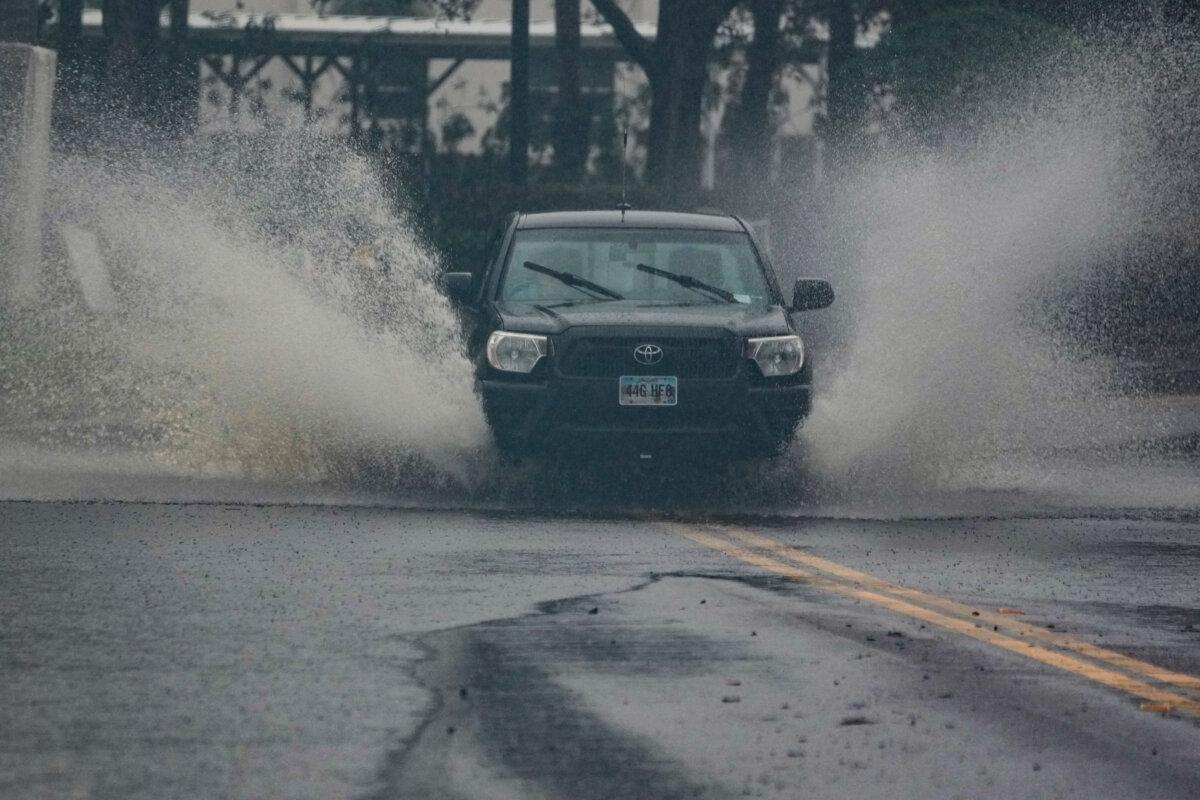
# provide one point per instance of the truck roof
(610, 218)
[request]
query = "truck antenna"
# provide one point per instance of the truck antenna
(624, 206)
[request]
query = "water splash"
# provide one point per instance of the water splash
(958, 362)
(276, 317)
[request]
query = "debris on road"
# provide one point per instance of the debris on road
(857, 720)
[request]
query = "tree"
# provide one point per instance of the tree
(750, 129)
(518, 96)
(958, 70)
(571, 119)
(676, 67)
(134, 83)
(456, 129)
(148, 78)
(845, 95)
(843, 119)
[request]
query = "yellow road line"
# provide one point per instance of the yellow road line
(1144, 668)
(1161, 698)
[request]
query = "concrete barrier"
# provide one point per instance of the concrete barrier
(26, 91)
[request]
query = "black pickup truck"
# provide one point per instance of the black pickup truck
(638, 333)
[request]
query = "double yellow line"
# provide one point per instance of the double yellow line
(1156, 686)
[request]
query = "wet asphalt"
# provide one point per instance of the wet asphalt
(284, 651)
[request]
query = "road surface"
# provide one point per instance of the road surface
(291, 651)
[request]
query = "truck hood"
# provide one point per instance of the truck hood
(743, 320)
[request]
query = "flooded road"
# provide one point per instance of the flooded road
(288, 651)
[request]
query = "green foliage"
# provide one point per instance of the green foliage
(456, 129)
(950, 69)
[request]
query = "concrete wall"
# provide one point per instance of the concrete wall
(26, 90)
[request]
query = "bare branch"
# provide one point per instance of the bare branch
(639, 48)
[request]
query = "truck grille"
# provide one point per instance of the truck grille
(712, 357)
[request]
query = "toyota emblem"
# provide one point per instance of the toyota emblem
(647, 354)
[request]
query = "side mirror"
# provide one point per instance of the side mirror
(810, 294)
(458, 285)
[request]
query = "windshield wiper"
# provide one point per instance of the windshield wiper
(573, 280)
(688, 282)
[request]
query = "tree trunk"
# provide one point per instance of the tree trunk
(677, 88)
(134, 82)
(70, 32)
(750, 123)
(676, 65)
(519, 100)
(571, 118)
(844, 100)
(181, 93)
(68, 80)
(518, 108)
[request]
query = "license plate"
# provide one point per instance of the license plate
(649, 390)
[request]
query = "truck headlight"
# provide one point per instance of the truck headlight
(515, 352)
(776, 355)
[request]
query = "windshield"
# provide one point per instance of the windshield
(643, 265)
